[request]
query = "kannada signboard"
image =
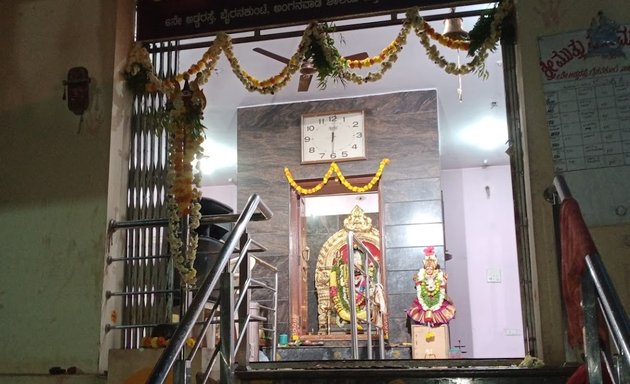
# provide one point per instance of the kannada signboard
(173, 19)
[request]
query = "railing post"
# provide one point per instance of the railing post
(227, 327)
(182, 372)
(591, 334)
(352, 297)
(242, 353)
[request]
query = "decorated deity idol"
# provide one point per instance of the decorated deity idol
(432, 306)
(339, 281)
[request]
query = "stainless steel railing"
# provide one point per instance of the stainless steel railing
(599, 295)
(371, 286)
(147, 288)
(228, 303)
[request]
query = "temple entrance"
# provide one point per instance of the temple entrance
(479, 264)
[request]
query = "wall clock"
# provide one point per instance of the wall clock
(333, 136)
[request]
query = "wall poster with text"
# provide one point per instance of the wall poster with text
(586, 82)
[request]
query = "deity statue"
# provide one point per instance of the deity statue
(333, 281)
(339, 277)
(432, 306)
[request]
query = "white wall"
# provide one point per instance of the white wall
(225, 194)
(480, 233)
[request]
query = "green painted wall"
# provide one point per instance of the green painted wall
(54, 179)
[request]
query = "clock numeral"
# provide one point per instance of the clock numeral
(321, 155)
(358, 135)
(311, 150)
(355, 124)
(332, 118)
(344, 154)
(354, 146)
(321, 121)
(333, 155)
(307, 139)
(310, 128)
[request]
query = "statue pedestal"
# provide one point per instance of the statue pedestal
(429, 343)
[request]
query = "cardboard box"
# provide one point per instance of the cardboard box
(429, 343)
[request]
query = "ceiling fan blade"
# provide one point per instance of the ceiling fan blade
(265, 52)
(305, 82)
(358, 56)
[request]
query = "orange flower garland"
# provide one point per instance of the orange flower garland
(161, 342)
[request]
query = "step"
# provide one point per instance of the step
(332, 351)
(470, 371)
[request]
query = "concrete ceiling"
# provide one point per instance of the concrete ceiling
(473, 131)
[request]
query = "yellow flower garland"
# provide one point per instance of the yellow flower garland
(137, 60)
(334, 168)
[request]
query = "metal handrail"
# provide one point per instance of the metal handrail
(206, 219)
(369, 258)
(597, 288)
(177, 341)
(613, 311)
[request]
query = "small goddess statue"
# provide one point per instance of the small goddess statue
(432, 306)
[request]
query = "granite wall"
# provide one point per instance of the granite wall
(399, 126)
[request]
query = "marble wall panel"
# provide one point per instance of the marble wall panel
(411, 170)
(411, 190)
(283, 316)
(410, 259)
(399, 330)
(399, 303)
(400, 281)
(414, 212)
(263, 273)
(272, 241)
(413, 235)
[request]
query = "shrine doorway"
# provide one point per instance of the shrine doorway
(317, 221)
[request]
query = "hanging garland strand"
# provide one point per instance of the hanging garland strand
(334, 168)
(317, 45)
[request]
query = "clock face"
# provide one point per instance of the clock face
(336, 136)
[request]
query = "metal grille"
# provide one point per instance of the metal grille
(148, 281)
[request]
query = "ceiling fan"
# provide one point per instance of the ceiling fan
(307, 70)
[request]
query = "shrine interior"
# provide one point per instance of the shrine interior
(447, 187)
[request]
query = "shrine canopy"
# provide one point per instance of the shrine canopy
(176, 19)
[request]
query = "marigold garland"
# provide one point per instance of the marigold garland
(334, 168)
(317, 45)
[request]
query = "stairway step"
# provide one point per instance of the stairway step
(335, 351)
(477, 371)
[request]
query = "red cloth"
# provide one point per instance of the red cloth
(576, 243)
(580, 376)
